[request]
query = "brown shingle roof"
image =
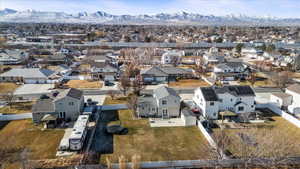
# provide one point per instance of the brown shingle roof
(295, 88)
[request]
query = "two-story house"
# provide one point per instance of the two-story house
(165, 103)
(230, 71)
(172, 57)
(213, 56)
(212, 100)
(66, 105)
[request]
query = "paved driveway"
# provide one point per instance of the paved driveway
(97, 98)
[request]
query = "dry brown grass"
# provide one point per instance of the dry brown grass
(17, 108)
(8, 87)
(156, 144)
(279, 132)
(188, 83)
(18, 135)
(84, 84)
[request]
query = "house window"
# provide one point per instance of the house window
(241, 108)
(221, 100)
(71, 103)
(231, 100)
(212, 103)
(164, 102)
(252, 106)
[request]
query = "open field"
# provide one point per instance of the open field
(276, 137)
(188, 83)
(84, 84)
(156, 144)
(17, 108)
(7, 87)
(17, 136)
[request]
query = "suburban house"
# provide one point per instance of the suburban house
(172, 57)
(236, 99)
(12, 57)
(282, 100)
(251, 52)
(155, 74)
(29, 75)
(100, 69)
(230, 71)
(165, 103)
(213, 56)
(294, 91)
(66, 105)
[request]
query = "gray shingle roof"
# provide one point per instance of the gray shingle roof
(28, 73)
(164, 71)
(153, 71)
(164, 91)
(43, 105)
(74, 93)
(209, 94)
(236, 90)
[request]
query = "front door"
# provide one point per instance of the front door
(165, 114)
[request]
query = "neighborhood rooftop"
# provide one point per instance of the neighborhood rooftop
(28, 73)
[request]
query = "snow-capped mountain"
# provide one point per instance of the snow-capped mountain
(10, 15)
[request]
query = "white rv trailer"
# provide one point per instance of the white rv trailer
(76, 140)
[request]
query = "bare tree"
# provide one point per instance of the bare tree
(280, 79)
(124, 84)
(112, 94)
(252, 78)
(138, 86)
(8, 97)
(132, 104)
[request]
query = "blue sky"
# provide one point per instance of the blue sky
(278, 8)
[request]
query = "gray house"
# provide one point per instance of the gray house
(67, 105)
(165, 103)
(29, 75)
(155, 74)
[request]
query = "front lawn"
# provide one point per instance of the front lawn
(7, 87)
(189, 83)
(84, 84)
(156, 144)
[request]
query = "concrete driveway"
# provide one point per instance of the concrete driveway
(97, 98)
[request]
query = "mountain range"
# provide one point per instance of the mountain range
(181, 18)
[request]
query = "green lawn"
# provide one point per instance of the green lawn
(19, 135)
(156, 144)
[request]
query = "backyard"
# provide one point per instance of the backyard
(155, 144)
(17, 108)
(276, 137)
(84, 84)
(18, 136)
